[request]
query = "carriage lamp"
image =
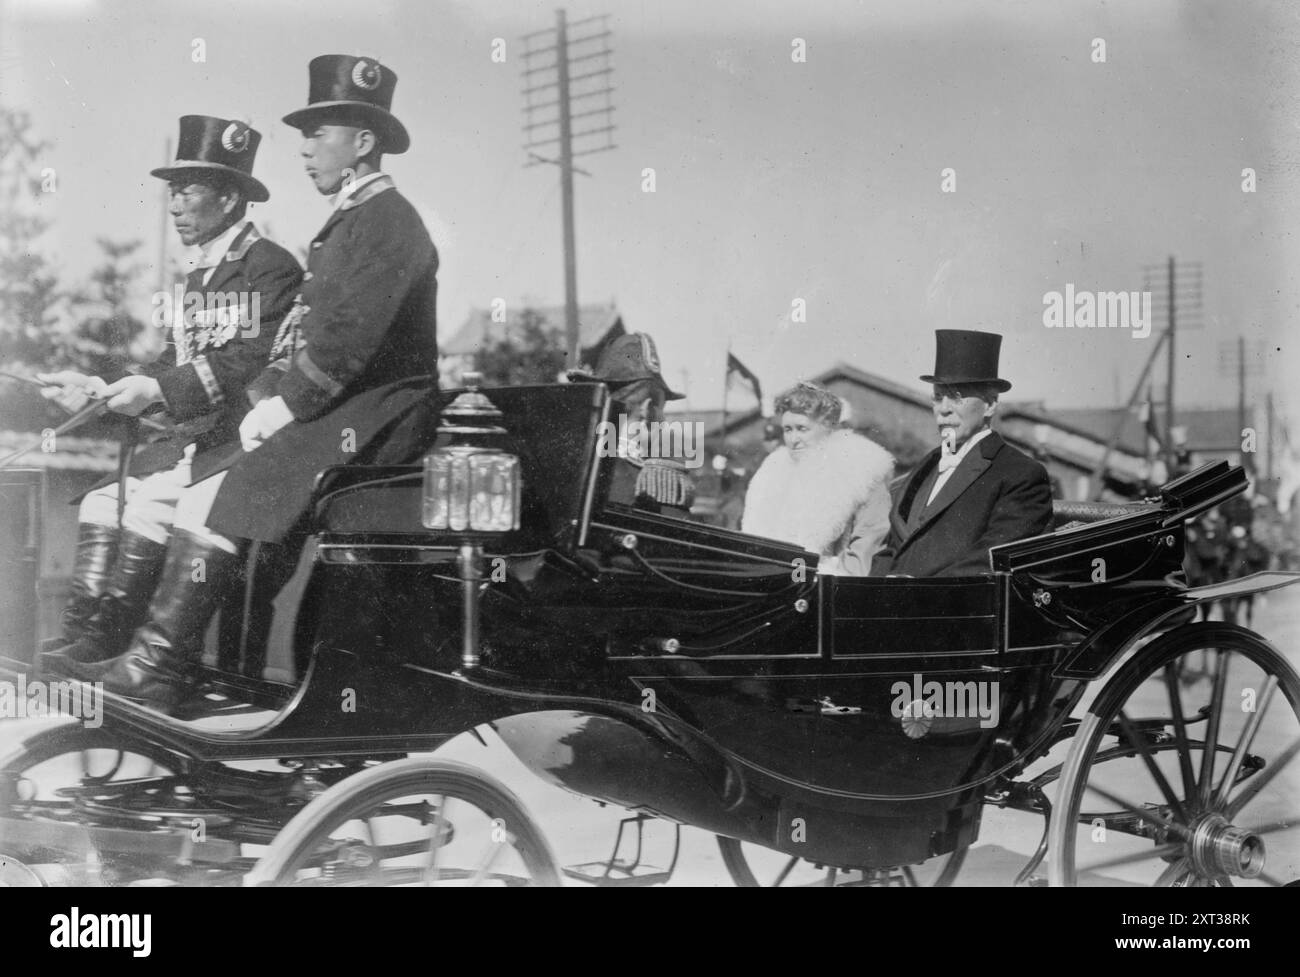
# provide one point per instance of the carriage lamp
(470, 486)
(471, 489)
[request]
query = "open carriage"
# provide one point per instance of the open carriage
(825, 728)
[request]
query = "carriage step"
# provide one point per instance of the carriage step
(618, 874)
(622, 872)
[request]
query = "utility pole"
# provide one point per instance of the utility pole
(555, 76)
(1233, 357)
(1241, 394)
(1169, 389)
(1268, 445)
(1181, 301)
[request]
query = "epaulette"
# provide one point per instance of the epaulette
(665, 481)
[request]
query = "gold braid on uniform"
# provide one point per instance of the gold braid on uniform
(288, 338)
(666, 482)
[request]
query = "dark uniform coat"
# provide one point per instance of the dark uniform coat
(366, 324)
(207, 396)
(996, 495)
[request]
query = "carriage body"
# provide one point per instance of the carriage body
(680, 670)
(715, 678)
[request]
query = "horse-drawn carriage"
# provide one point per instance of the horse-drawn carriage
(856, 727)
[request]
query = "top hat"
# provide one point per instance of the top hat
(625, 360)
(345, 87)
(210, 145)
(967, 356)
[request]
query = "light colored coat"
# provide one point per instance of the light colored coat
(834, 500)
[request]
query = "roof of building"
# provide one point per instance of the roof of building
(1208, 428)
(595, 323)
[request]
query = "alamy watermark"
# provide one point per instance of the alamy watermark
(681, 441)
(226, 313)
(30, 700)
(919, 703)
(1098, 310)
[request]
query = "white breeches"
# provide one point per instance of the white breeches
(157, 503)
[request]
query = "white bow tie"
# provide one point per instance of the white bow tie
(947, 460)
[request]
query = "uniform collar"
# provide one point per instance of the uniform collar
(223, 245)
(357, 192)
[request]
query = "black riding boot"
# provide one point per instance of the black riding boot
(121, 606)
(96, 548)
(160, 664)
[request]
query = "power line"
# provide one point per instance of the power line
(590, 81)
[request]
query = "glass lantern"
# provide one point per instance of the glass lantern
(469, 485)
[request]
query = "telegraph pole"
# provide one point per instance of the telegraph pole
(583, 88)
(1232, 357)
(566, 191)
(1170, 455)
(1184, 291)
(1268, 445)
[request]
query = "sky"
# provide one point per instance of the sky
(776, 180)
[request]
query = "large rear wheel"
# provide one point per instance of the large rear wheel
(1181, 775)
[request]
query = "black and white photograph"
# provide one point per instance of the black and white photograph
(676, 444)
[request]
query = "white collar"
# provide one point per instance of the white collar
(350, 188)
(211, 253)
(974, 439)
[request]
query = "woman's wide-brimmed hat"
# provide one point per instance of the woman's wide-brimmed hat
(211, 145)
(347, 88)
(967, 356)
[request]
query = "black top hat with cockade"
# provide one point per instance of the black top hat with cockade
(352, 90)
(208, 145)
(967, 356)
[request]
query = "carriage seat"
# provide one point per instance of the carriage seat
(1068, 515)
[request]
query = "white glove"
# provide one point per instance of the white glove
(263, 421)
(131, 395)
(71, 390)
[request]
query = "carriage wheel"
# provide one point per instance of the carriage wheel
(754, 866)
(1168, 783)
(418, 821)
(35, 783)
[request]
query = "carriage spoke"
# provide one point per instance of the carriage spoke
(1261, 780)
(1175, 871)
(1276, 826)
(1180, 731)
(789, 867)
(491, 853)
(1159, 851)
(1138, 741)
(435, 834)
(1142, 812)
(1206, 784)
(1244, 742)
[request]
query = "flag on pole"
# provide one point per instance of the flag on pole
(1155, 445)
(734, 366)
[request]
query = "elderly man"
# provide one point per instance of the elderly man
(974, 491)
(219, 337)
(362, 328)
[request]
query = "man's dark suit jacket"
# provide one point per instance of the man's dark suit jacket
(206, 396)
(996, 495)
(368, 328)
